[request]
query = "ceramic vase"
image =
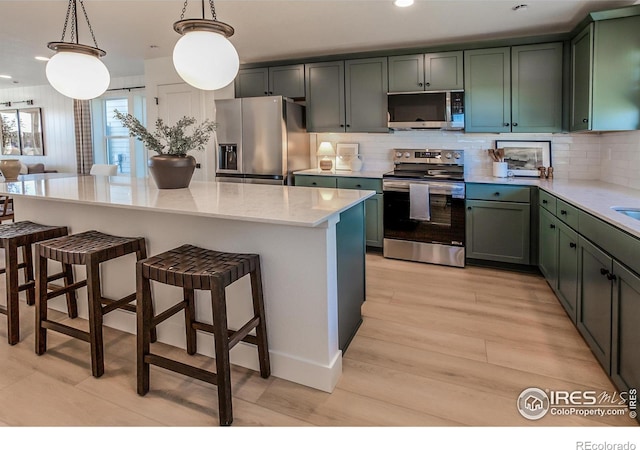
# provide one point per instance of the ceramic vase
(10, 169)
(172, 171)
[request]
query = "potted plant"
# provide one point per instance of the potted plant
(171, 168)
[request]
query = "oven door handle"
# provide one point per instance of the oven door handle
(456, 190)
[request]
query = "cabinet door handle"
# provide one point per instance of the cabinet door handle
(552, 226)
(420, 84)
(497, 194)
(585, 120)
(348, 125)
(572, 244)
(266, 93)
(544, 202)
(270, 93)
(506, 124)
(515, 124)
(603, 271)
(611, 277)
(341, 125)
(563, 212)
(427, 84)
(468, 208)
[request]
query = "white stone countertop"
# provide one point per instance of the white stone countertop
(341, 173)
(595, 197)
(282, 205)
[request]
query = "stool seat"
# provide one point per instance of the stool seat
(75, 249)
(90, 249)
(23, 235)
(192, 268)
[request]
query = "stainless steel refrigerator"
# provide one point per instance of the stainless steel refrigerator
(260, 140)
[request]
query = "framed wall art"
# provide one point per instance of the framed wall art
(524, 157)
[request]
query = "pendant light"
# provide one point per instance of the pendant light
(76, 70)
(203, 56)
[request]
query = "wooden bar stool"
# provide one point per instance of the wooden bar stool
(193, 268)
(89, 249)
(22, 235)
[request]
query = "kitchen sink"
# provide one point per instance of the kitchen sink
(634, 213)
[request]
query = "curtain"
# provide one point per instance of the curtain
(84, 143)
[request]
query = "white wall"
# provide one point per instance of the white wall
(620, 158)
(573, 156)
(57, 120)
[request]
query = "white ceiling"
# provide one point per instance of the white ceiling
(268, 30)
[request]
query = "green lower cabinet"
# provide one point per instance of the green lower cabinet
(373, 206)
(498, 231)
(567, 280)
(548, 248)
(373, 216)
(625, 357)
(594, 300)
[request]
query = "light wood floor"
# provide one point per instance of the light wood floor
(439, 346)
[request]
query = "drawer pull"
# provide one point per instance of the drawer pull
(603, 271)
(563, 212)
(358, 185)
(572, 244)
(552, 226)
(497, 194)
(611, 277)
(468, 208)
(314, 184)
(544, 202)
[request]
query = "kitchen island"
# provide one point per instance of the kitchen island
(311, 244)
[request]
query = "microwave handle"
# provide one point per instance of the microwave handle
(449, 118)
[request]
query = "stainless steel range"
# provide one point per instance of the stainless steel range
(424, 215)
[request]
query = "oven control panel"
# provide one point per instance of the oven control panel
(428, 156)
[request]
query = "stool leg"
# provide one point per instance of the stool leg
(141, 253)
(95, 317)
(189, 318)
(261, 329)
(41, 303)
(72, 303)
(223, 365)
(27, 258)
(144, 317)
(11, 282)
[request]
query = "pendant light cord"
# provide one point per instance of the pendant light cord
(184, 9)
(73, 13)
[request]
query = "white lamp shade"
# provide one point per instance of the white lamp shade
(206, 60)
(77, 75)
(326, 149)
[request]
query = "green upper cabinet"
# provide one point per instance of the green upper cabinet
(252, 82)
(347, 96)
(581, 51)
(536, 88)
(430, 72)
(604, 72)
(366, 95)
(325, 96)
(487, 88)
(287, 81)
(514, 89)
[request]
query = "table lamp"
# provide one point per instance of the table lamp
(326, 151)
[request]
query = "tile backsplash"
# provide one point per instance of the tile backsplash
(620, 158)
(573, 155)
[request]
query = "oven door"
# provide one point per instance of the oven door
(446, 203)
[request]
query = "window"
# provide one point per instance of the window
(111, 141)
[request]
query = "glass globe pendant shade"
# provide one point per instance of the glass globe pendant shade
(78, 74)
(206, 59)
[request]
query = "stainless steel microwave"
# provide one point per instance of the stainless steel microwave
(428, 109)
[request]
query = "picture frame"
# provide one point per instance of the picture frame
(524, 157)
(345, 152)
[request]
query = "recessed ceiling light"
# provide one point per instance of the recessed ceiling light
(403, 3)
(8, 77)
(521, 7)
(42, 58)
